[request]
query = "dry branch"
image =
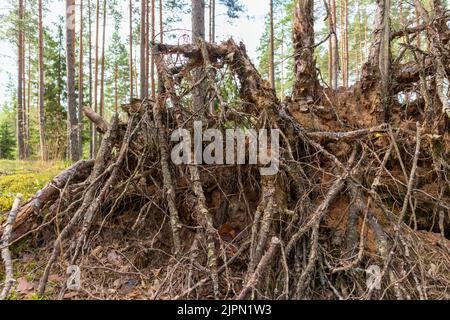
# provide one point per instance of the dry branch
(6, 255)
(100, 124)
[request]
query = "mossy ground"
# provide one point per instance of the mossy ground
(25, 177)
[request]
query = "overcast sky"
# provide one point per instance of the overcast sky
(248, 28)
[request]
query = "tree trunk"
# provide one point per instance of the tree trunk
(42, 140)
(97, 26)
(80, 84)
(20, 104)
(152, 63)
(116, 97)
(91, 126)
(345, 45)
(212, 20)
(198, 32)
(303, 43)
(102, 80)
(131, 50)
(144, 91)
(334, 53)
(72, 117)
(385, 59)
(161, 22)
(24, 109)
(27, 133)
(271, 47)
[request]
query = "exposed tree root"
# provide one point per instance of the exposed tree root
(341, 201)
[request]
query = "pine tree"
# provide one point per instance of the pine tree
(72, 116)
(42, 139)
(7, 141)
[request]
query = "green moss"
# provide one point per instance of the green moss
(35, 296)
(25, 177)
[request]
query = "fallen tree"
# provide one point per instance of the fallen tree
(352, 190)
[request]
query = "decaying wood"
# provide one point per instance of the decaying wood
(262, 266)
(100, 124)
(6, 255)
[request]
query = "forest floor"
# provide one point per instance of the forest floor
(25, 177)
(113, 271)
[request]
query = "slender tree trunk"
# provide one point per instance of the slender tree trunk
(28, 106)
(334, 53)
(345, 45)
(131, 50)
(161, 22)
(212, 20)
(72, 117)
(341, 40)
(303, 43)
(116, 97)
(97, 27)
(42, 139)
(80, 83)
(152, 63)
(144, 91)
(24, 109)
(102, 80)
(147, 43)
(91, 125)
(20, 104)
(198, 32)
(365, 36)
(271, 47)
(385, 60)
(282, 60)
(360, 45)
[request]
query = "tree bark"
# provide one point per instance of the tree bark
(131, 50)
(161, 22)
(20, 104)
(102, 80)
(152, 62)
(345, 45)
(334, 53)
(198, 32)
(385, 59)
(143, 45)
(72, 117)
(80, 84)
(116, 97)
(91, 126)
(271, 47)
(97, 26)
(212, 21)
(303, 43)
(42, 140)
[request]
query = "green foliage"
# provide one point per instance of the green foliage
(234, 8)
(283, 53)
(117, 55)
(7, 141)
(7, 133)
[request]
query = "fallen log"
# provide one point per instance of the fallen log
(101, 125)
